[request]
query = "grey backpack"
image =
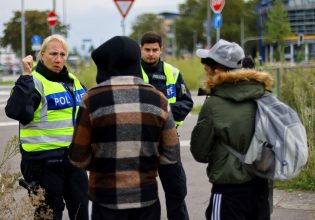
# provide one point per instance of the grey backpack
(278, 149)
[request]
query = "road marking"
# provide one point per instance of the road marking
(4, 124)
(185, 143)
(4, 92)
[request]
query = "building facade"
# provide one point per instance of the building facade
(170, 32)
(301, 15)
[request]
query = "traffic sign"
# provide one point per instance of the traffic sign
(36, 39)
(36, 42)
(217, 5)
(52, 19)
(217, 20)
(124, 6)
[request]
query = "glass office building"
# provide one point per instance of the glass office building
(301, 14)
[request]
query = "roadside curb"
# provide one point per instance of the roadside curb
(303, 200)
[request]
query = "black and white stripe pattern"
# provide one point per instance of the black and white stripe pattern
(216, 207)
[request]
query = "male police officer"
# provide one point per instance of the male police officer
(168, 80)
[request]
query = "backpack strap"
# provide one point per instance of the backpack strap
(237, 154)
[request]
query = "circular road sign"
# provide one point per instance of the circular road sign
(217, 5)
(52, 19)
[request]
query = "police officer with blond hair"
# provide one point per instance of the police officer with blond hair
(169, 81)
(45, 101)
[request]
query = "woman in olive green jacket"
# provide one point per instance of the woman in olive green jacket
(228, 117)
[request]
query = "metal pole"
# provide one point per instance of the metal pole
(242, 31)
(208, 24)
(218, 34)
(194, 41)
(174, 39)
(54, 6)
(54, 9)
(64, 12)
(123, 26)
(22, 30)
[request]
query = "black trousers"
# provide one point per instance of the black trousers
(236, 204)
(152, 212)
(64, 184)
(173, 179)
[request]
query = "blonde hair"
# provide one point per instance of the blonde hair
(54, 37)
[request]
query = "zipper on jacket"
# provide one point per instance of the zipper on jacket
(70, 89)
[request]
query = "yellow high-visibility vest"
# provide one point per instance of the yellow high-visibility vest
(171, 74)
(53, 123)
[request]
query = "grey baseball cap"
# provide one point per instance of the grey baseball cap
(227, 53)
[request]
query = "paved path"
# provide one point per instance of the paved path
(296, 205)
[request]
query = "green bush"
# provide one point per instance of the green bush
(298, 90)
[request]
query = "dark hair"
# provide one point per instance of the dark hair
(247, 62)
(214, 64)
(150, 38)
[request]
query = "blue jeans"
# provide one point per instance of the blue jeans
(173, 179)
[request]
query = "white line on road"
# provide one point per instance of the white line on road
(4, 124)
(185, 143)
(4, 92)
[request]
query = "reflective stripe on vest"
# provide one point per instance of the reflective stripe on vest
(171, 74)
(53, 123)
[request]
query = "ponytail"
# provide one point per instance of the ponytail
(248, 62)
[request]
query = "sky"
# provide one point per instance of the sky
(98, 20)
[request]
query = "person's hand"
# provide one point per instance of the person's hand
(27, 65)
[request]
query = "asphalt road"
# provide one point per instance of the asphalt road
(199, 187)
(287, 205)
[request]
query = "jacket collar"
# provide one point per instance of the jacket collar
(122, 80)
(237, 76)
(63, 76)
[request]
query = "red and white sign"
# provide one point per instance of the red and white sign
(124, 6)
(52, 19)
(217, 5)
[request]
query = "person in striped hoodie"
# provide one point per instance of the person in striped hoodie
(125, 131)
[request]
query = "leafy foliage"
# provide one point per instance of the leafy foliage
(146, 22)
(35, 24)
(192, 16)
(278, 26)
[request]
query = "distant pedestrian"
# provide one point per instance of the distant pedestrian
(227, 117)
(125, 133)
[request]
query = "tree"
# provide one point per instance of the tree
(190, 23)
(278, 27)
(35, 24)
(193, 15)
(146, 22)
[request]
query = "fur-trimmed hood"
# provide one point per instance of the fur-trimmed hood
(239, 84)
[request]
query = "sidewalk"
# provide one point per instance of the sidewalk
(296, 205)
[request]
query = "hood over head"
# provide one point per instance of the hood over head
(119, 56)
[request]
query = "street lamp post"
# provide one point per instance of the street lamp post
(54, 10)
(208, 24)
(22, 30)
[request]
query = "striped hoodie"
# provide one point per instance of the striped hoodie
(124, 132)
